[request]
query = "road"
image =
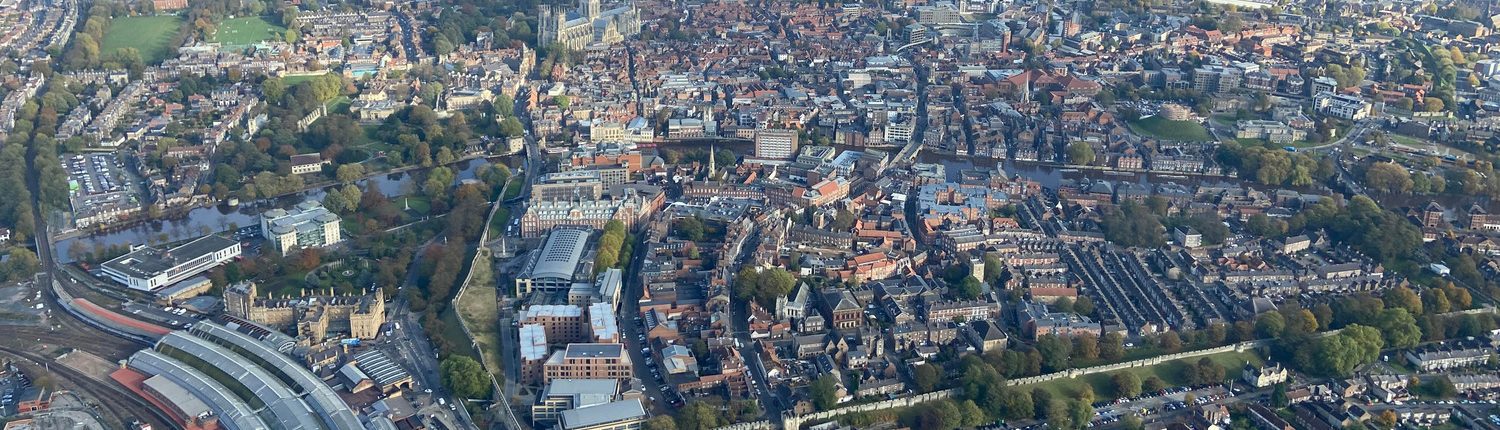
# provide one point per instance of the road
(413, 347)
(631, 333)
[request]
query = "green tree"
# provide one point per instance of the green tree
(1112, 346)
(660, 422)
(1055, 352)
(969, 289)
(1081, 153)
(1126, 384)
(1153, 384)
(465, 377)
(1399, 328)
(824, 393)
(927, 376)
(699, 416)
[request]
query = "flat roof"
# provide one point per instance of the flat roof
(589, 416)
(584, 392)
(300, 217)
(536, 311)
(602, 321)
(594, 350)
(533, 340)
(149, 262)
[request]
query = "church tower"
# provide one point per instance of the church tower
(712, 167)
(590, 9)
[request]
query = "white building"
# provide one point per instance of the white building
(150, 269)
(1342, 106)
(309, 224)
(777, 144)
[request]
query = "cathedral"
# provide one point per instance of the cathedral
(588, 24)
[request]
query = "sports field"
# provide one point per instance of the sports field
(152, 35)
(246, 31)
(1162, 128)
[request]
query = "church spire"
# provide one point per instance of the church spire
(712, 167)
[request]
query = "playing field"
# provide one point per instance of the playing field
(247, 31)
(152, 35)
(1162, 128)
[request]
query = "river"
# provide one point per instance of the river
(219, 217)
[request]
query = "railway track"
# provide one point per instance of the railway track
(114, 403)
(94, 342)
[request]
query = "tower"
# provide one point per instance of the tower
(238, 299)
(712, 167)
(590, 9)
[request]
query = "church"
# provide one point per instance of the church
(588, 24)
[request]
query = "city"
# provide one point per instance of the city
(749, 215)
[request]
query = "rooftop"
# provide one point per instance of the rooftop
(149, 262)
(605, 413)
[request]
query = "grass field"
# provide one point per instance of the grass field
(247, 31)
(478, 309)
(1159, 127)
(1171, 372)
(152, 35)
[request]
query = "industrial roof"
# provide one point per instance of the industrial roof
(380, 367)
(184, 400)
(287, 408)
(560, 256)
(605, 413)
(319, 396)
(234, 414)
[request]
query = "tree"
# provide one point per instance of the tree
(1270, 324)
(927, 376)
(969, 289)
(689, 228)
(350, 172)
(1404, 298)
(1170, 342)
(1086, 345)
(1055, 352)
(1041, 400)
(1083, 306)
(1388, 177)
(465, 377)
(763, 286)
(1432, 104)
(1399, 328)
(1153, 384)
(1081, 153)
(699, 416)
(1112, 347)
(1126, 384)
(1279, 397)
(660, 422)
(1017, 404)
(824, 393)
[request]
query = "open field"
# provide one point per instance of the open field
(152, 35)
(247, 31)
(1171, 372)
(479, 310)
(293, 80)
(1159, 127)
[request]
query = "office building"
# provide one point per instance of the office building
(566, 394)
(150, 269)
(588, 361)
(775, 144)
(309, 224)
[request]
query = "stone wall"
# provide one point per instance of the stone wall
(791, 421)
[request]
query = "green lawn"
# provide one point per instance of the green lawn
(152, 35)
(1159, 127)
(246, 31)
(1170, 372)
